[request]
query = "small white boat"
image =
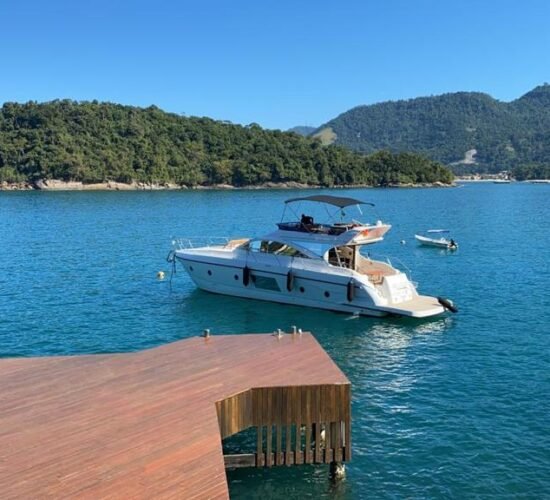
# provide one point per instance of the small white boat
(311, 264)
(441, 242)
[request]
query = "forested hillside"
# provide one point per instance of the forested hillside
(447, 127)
(97, 142)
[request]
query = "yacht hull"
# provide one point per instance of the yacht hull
(308, 288)
(296, 301)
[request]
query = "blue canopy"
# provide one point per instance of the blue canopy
(337, 201)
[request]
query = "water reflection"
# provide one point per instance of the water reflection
(373, 342)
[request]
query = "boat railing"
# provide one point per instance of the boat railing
(394, 262)
(202, 242)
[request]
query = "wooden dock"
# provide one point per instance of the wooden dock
(150, 424)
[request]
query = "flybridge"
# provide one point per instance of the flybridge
(332, 235)
(336, 233)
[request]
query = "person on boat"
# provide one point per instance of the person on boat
(306, 221)
(452, 243)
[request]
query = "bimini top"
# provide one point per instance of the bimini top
(337, 201)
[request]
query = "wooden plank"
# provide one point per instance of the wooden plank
(277, 413)
(347, 422)
(259, 446)
(240, 460)
(288, 421)
(347, 447)
(231, 414)
(289, 453)
(317, 455)
(279, 441)
(338, 441)
(297, 442)
(269, 457)
(298, 422)
(268, 407)
(257, 402)
(307, 419)
(307, 449)
(328, 444)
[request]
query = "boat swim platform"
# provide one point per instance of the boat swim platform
(150, 424)
(418, 307)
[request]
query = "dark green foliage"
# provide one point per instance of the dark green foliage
(445, 127)
(531, 171)
(96, 142)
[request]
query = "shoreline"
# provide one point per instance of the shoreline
(57, 185)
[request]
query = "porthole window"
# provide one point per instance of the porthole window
(302, 289)
(190, 268)
(209, 273)
(327, 294)
(236, 277)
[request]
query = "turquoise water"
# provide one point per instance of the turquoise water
(450, 407)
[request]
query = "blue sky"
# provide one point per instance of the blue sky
(277, 63)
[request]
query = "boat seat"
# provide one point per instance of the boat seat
(376, 276)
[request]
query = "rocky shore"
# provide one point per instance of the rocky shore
(58, 185)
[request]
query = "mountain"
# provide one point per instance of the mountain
(304, 130)
(469, 131)
(94, 142)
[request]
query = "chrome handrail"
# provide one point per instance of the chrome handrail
(200, 242)
(401, 265)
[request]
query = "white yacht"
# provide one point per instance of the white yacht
(310, 264)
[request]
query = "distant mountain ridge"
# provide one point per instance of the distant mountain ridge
(470, 131)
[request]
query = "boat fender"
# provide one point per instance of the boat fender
(351, 290)
(246, 275)
(289, 281)
(447, 304)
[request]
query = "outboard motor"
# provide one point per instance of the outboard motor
(447, 304)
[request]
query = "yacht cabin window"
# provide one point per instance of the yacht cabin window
(275, 247)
